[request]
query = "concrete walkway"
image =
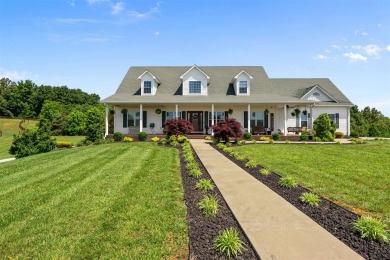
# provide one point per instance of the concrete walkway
(276, 229)
(7, 160)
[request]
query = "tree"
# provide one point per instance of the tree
(323, 127)
(31, 142)
(178, 126)
(229, 127)
(51, 117)
(95, 123)
(75, 123)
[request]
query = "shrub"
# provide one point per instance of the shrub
(163, 141)
(181, 139)
(247, 136)
(254, 141)
(287, 142)
(118, 136)
(195, 173)
(207, 137)
(264, 138)
(155, 139)
(354, 134)
(287, 182)
(94, 124)
(64, 144)
(174, 143)
(310, 198)
(178, 126)
(323, 127)
(251, 164)
(31, 142)
(128, 139)
(209, 206)
(317, 139)
(304, 136)
(229, 127)
(204, 185)
(229, 243)
(371, 229)
(75, 123)
(339, 135)
(271, 141)
(264, 171)
(142, 136)
(220, 146)
(191, 165)
(107, 141)
(276, 136)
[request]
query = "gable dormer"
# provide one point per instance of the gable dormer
(149, 83)
(318, 94)
(195, 81)
(242, 83)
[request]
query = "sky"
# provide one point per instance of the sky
(90, 44)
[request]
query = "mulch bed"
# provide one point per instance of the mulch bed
(335, 219)
(202, 231)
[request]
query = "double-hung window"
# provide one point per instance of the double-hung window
(243, 87)
(335, 118)
(133, 119)
(171, 115)
(195, 87)
(147, 87)
(218, 116)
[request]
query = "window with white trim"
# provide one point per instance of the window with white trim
(195, 87)
(133, 118)
(218, 116)
(305, 120)
(335, 118)
(243, 87)
(171, 115)
(257, 118)
(147, 87)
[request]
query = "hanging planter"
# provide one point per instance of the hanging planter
(124, 111)
(230, 111)
(293, 113)
(158, 111)
(304, 112)
(297, 111)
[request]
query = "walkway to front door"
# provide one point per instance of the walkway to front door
(196, 119)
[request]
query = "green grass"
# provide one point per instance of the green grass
(9, 127)
(122, 201)
(354, 176)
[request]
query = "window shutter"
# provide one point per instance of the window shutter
(337, 120)
(163, 118)
(183, 114)
(144, 118)
(266, 119)
(245, 119)
(206, 119)
(124, 120)
(226, 114)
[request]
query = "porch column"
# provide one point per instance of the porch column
(106, 129)
(141, 118)
(212, 119)
(311, 121)
(348, 121)
(285, 119)
(249, 118)
(177, 111)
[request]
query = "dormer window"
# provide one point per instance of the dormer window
(147, 87)
(195, 87)
(243, 87)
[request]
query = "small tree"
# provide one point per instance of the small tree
(178, 126)
(31, 142)
(94, 124)
(324, 128)
(230, 127)
(75, 123)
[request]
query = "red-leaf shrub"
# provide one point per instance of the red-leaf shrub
(178, 127)
(230, 127)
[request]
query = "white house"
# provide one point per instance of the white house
(203, 95)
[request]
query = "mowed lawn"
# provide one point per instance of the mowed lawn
(120, 200)
(356, 176)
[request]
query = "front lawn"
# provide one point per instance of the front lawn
(108, 201)
(355, 176)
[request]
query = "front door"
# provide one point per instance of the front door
(195, 118)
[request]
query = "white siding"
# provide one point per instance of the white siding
(242, 77)
(148, 77)
(194, 75)
(323, 97)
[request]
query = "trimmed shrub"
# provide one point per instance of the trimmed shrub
(323, 127)
(276, 136)
(354, 134)
(304, 136)
(178, 126)
(229, 127)
(142, 136)
(64, 145)
(118, 136)
(31, 142)
(317, 139)
(339, 135)
(94, 124)
(247, 136)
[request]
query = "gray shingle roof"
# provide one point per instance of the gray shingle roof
(220, 90)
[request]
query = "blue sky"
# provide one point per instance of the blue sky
(90, 44)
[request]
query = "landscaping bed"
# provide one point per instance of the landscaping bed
(201, 230)
(335, 219)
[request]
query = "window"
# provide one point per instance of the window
(304, 120)
(243, 87)
(195, 87)
(218, 116)
(133, 119)
(171, 115)
(257, 118)
(335, 118)
(147, 87)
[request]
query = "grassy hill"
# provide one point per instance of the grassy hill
(121, 201)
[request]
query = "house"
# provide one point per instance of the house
(149, 96)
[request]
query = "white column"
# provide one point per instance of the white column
(106, 131)
(311, 121)
(141, 118)
(249, 118)
(348, 121)
(212, 119)
(177, 111)
(285, 119)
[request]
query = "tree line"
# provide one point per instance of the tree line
(369, 122)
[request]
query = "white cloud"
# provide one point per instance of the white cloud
(75, 20)
(71, 3)
(17, 75)
(91, 2)
(372, 49)
(117, 8)
(146, 15)
(353, 57)
(336, 46)
(322, 57)
(157, 33)
(388, 47)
